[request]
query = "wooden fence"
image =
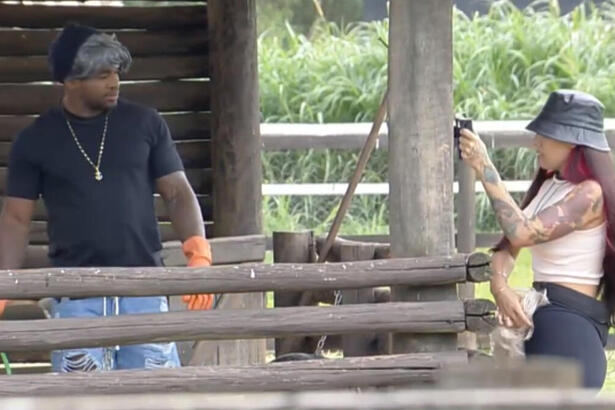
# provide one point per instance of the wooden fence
(351, 136)
(440, 317)
(491, 399)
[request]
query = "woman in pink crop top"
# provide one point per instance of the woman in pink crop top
(572, 148)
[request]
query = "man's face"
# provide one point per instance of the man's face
(99, 92)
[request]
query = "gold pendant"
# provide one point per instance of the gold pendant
(98, 175)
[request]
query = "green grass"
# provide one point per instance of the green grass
(505, 65)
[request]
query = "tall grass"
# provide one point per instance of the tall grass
(505, 65)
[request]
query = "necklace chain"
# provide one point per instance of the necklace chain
(97, 174)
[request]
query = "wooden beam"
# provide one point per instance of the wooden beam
(366, 344)
(36, 68)
(236, 144)
(307, 375)
(381, 250)
(236, 117)
(183, 126)
(249, 248)
(292, 247)
(205, 203)
(80, 282)
(194, 154)
(225, 251)
(25, 42)
(421, 142)
(199, 178)
(495, 134)
(103, 17)
(416, 398)
(165, 96)
(38, 232)
(69, 333)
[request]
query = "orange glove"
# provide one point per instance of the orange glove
(198, 253)
(3, 303)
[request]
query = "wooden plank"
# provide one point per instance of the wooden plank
(369, 343)
(309, 375)
(225, 250)
(80, 282)
(194, 154)
(384, 399)
(236, 144)
(495, 134)
(239, 249)
(33, 69)
(235, 118)
(335, 252)
(183, 126)
(483, 239)
(40, 212)
(24, 42)
(420, 154)
(232, 352)
(102, 17)
(200, 180)
(292, 247)
(38, 232)
(165, 96)
(536, 372)
(68, 333)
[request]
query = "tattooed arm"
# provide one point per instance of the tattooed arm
(580, 209)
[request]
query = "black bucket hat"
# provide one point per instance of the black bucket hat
(63, 50)
(574, 117)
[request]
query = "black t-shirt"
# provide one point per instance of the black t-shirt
(111, 222)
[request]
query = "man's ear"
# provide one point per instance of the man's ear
(72, 85)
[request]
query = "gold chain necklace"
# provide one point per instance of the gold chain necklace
(97, 174)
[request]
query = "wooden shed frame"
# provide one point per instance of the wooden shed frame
(218, 120)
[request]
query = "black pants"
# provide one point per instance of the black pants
(574, 326)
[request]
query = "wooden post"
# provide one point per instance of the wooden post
(368, 344)
(236, 146)
(420, 148)
(289, 247)
(466, 236)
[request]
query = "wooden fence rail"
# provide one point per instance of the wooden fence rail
(82, 282)
(496, 134)
(415, 317)
(394, 370)
(492, 399)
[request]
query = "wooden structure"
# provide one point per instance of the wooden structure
(449, 317)
(421, 149)
(351, 256)
(196, 64)
(493, 399)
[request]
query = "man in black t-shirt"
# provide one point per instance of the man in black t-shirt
(96, 161)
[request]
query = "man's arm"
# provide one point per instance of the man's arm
(185, 214)
(14, 229)
(181, 204)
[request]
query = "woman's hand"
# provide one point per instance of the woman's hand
(510, 312)
(473, 150)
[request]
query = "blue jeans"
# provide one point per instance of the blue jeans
(149, 355)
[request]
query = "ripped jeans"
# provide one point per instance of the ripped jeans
(150, 355)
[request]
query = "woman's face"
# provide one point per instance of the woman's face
(551, 154)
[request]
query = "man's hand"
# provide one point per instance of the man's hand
(3, 303)
(198, 253)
